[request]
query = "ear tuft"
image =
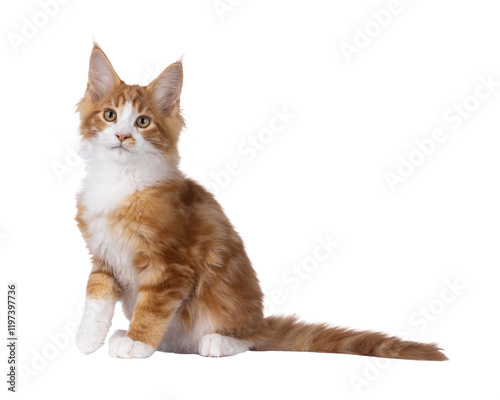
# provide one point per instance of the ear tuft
(102, 76)
(167, 88)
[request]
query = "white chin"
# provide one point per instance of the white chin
(120, 154)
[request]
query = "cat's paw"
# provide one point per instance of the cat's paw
(90, 335)
(95, 324)
(121, 346)
(215, 345)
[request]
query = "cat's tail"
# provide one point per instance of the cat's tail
(286, 333)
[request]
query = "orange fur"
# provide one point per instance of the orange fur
(102, 285)
(287, 333)
(188, 261)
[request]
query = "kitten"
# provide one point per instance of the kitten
(161, 244)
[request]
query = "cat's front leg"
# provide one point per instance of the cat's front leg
(161, 292)
(102, 295)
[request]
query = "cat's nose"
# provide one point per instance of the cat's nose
(121, 137)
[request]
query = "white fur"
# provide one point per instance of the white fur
(95, 324)
(116, 251)
(215, 345)
(113, 172)
(121, 346)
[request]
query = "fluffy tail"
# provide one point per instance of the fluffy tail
(286, 333)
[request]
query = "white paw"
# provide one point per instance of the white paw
(121, 346)
(215, 345)
(95, 324)
(90, 336)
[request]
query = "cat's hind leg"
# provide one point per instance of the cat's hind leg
(216, 345)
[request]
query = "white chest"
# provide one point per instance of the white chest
(106, 186)
(107, 243)
(108, 182)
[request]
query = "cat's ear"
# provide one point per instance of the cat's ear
(166, 89)
(102, 76)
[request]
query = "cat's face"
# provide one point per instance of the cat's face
(126, 122)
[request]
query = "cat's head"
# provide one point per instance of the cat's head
(131, 122)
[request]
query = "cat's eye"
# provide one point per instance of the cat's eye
(142, 121)
(109, 115)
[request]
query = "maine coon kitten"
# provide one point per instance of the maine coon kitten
(162, 245)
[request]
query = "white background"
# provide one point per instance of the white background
(322, 176)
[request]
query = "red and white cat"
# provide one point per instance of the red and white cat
(161, 244)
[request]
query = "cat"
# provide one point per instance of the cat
(161, 244)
